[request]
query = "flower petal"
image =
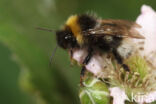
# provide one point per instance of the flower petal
(119, 96)
(147, 20)
(95, 65)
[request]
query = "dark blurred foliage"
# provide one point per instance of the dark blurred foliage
(25, 51)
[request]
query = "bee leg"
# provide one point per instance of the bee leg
(88, 57)
(120, 60)
(85, 62)
(82, 74)
(125, 67)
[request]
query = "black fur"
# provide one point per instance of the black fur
(102, 44)
(86, 22)
(66, 39)
(120, 60)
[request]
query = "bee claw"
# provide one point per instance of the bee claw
(82, 75)
(126, 68)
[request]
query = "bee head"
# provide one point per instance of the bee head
(65, 38)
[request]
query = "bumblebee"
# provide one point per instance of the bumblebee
(85, 31)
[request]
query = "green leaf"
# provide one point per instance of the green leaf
(36, 75)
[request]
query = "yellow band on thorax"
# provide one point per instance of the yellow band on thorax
(75, 27)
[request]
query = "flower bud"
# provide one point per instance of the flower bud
(94, 91)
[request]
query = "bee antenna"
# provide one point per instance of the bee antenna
(45, 29)
(53, 53)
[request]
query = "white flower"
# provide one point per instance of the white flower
(96, 63)
(147, 20)
(79, 55)
(118, 95)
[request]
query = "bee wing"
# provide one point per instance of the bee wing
(120, 28)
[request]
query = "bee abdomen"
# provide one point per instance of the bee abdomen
(125, 50)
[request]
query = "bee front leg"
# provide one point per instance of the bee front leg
(82, 75)
(85, 62)
(88, 57)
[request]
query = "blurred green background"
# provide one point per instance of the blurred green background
(25, 75)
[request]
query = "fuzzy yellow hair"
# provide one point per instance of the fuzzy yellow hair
(72, 22)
